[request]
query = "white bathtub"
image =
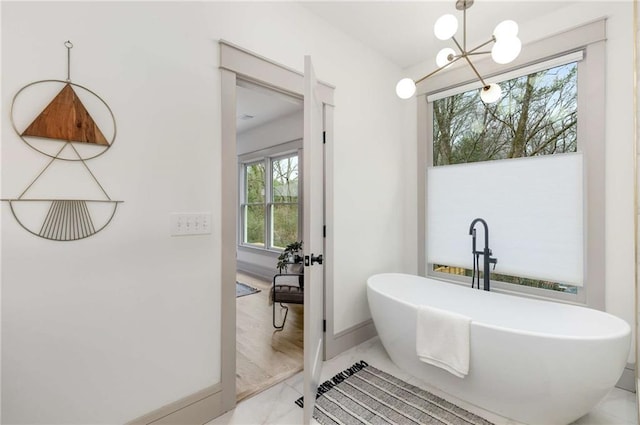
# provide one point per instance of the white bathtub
(533, 361)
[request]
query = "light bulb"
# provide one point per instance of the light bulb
(490, 93)
(506, 50)
(506, 29)
(442, 58)
(445, 27)
(405, 88)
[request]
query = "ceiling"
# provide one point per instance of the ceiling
(401, 31)
(257, 105)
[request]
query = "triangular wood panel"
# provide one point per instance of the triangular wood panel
(66, 118)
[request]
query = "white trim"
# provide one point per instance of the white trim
(193, 409)
(228, 237)
(250, 67)
(627, 380)
(349, 338)
(526, 70)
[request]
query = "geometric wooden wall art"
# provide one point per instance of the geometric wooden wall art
(64, 130)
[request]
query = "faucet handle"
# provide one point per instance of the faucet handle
(494, 261)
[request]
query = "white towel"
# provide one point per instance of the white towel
(442, 339)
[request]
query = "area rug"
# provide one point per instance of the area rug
(243, 289)
(363, 394)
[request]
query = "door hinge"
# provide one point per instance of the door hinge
(324, 231)
(324, 325)
(324, 137)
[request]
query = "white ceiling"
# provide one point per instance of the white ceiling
(402, 31)
(262, 104)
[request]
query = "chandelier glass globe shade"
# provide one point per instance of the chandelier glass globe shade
(506, 29)
(445, 27)
(405, 88)
(442, 58)
(506, 50)
(490, 93)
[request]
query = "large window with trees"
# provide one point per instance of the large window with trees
(552, 109)
(537, 115)
(269, 203)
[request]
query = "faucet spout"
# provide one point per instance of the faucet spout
(486, 253)
(486, 230)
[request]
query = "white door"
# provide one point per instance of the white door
(313, 218)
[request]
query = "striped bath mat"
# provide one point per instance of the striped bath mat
(363, 394)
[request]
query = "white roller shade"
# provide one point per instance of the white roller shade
(533, 206)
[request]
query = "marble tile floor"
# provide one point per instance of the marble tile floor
(276, 405)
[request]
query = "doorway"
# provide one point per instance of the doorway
(239, 64)
(269, 131)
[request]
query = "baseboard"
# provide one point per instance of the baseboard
(349, 338)
(628, 379)
(196, 409)
(256, 270)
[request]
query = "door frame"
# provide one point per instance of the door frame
(239, 63)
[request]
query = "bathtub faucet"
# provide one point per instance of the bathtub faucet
(486, 254)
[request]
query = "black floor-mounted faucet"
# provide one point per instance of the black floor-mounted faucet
(486, 254)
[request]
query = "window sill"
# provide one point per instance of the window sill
(514, 290)
(263, 251)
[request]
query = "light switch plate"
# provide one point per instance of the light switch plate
(183, 224)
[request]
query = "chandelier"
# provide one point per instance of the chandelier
(505, 49)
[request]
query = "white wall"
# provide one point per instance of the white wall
(619, 222)
(109, 328)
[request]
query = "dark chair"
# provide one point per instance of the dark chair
(290, 290)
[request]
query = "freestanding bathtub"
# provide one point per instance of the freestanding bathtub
(533, 361)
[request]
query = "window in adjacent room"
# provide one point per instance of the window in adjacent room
(253, 207)
(269, 202)
(284, 201)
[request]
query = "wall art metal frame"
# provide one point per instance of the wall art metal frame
(65, 122)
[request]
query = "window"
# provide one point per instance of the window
(254, 206)
(580, 51)
(284, 201)
(269, 202)
(537, 115)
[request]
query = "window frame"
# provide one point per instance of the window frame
(590, 39)
(266, 156)
(244, 204)
(271, 201)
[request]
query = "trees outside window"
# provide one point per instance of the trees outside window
(254, 206)
(537, 115)
(284, 201)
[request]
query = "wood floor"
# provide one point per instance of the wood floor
(264, 356)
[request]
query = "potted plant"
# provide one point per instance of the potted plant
(292, 254)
